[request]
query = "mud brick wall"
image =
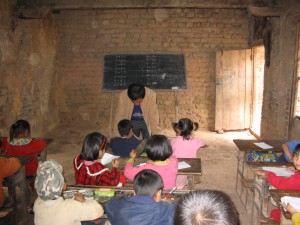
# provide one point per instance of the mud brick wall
(85, 36)
(27, 50)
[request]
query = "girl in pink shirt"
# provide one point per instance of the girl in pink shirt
(185, 145)
(159, 152)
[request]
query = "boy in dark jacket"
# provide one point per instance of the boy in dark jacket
(145, 207)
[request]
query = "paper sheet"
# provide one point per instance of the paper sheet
(294, 201)
(263, 145)
(183, 165)
(279, 171)
(108, 158)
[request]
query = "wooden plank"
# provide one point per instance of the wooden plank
(248, 87)
(248, 145)
(219, 92)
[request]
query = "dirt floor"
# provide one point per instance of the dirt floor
(219, 159)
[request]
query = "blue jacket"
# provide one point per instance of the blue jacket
(139, 210)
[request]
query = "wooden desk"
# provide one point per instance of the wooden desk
(242, 175)
(261, 191)
(19, 191)
(176, 195)
(277, 195)
(194, 170)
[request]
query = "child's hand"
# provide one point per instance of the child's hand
(132, 154)
(261, 173)
(79, 197)
(289, 208)
(115, 163)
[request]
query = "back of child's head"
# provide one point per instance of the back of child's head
(136, 91)
(147, 183)
(158, 148)
(19, 128)
(296, 152)
(124, 127)
(92, 144)
(49, 181)
(206, 207)
(185, 127)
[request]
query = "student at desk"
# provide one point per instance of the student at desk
(88, 167)
(122, 146)
(145, 207)
(50, 208)
(159, 152)
(288, 150)
(8, 167)
(19, 143)
(279, 182)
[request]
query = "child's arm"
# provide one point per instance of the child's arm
(287, 152)
(291, 183)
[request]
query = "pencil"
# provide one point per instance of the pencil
(135, 136)
(169, 194)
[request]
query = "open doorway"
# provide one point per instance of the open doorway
(258, 88)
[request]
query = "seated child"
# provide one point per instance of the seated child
(285, 183)
(206, 207)
(145, 207)
(161, 160)
(185, 145)
(19, 143)
(123, 145)
(288, 150)
(88, 167)
(8, 167)
(50, 208)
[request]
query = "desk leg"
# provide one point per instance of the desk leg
(191, 182)
(19, 191)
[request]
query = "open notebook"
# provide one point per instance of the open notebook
(279, 171)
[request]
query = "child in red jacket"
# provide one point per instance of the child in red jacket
(19, 143)
(88, 167)
(284, 183)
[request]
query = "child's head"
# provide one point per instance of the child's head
(20, 129)
(185, 126)
(49, 181)
(93, 146)
(296, 157)
(158, 148)
(206, 207)
(148, 183)
(124, 127)
(136, 93)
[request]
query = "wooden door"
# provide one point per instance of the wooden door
(233, 89)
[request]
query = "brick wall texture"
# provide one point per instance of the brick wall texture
(51, 68)
(85, 36)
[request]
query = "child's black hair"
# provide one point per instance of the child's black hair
(158, 148)
(296, 152)
(185, 126)
(136, 91)
(124, 127)
(147, 183)
(18, 128)
(92, 144)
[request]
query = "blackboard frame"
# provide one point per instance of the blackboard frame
(156, 71)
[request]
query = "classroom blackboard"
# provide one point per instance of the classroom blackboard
(156, 71)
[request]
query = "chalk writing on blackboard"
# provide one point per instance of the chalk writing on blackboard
(156, 71)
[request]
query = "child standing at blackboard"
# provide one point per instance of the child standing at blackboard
(138, 104)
